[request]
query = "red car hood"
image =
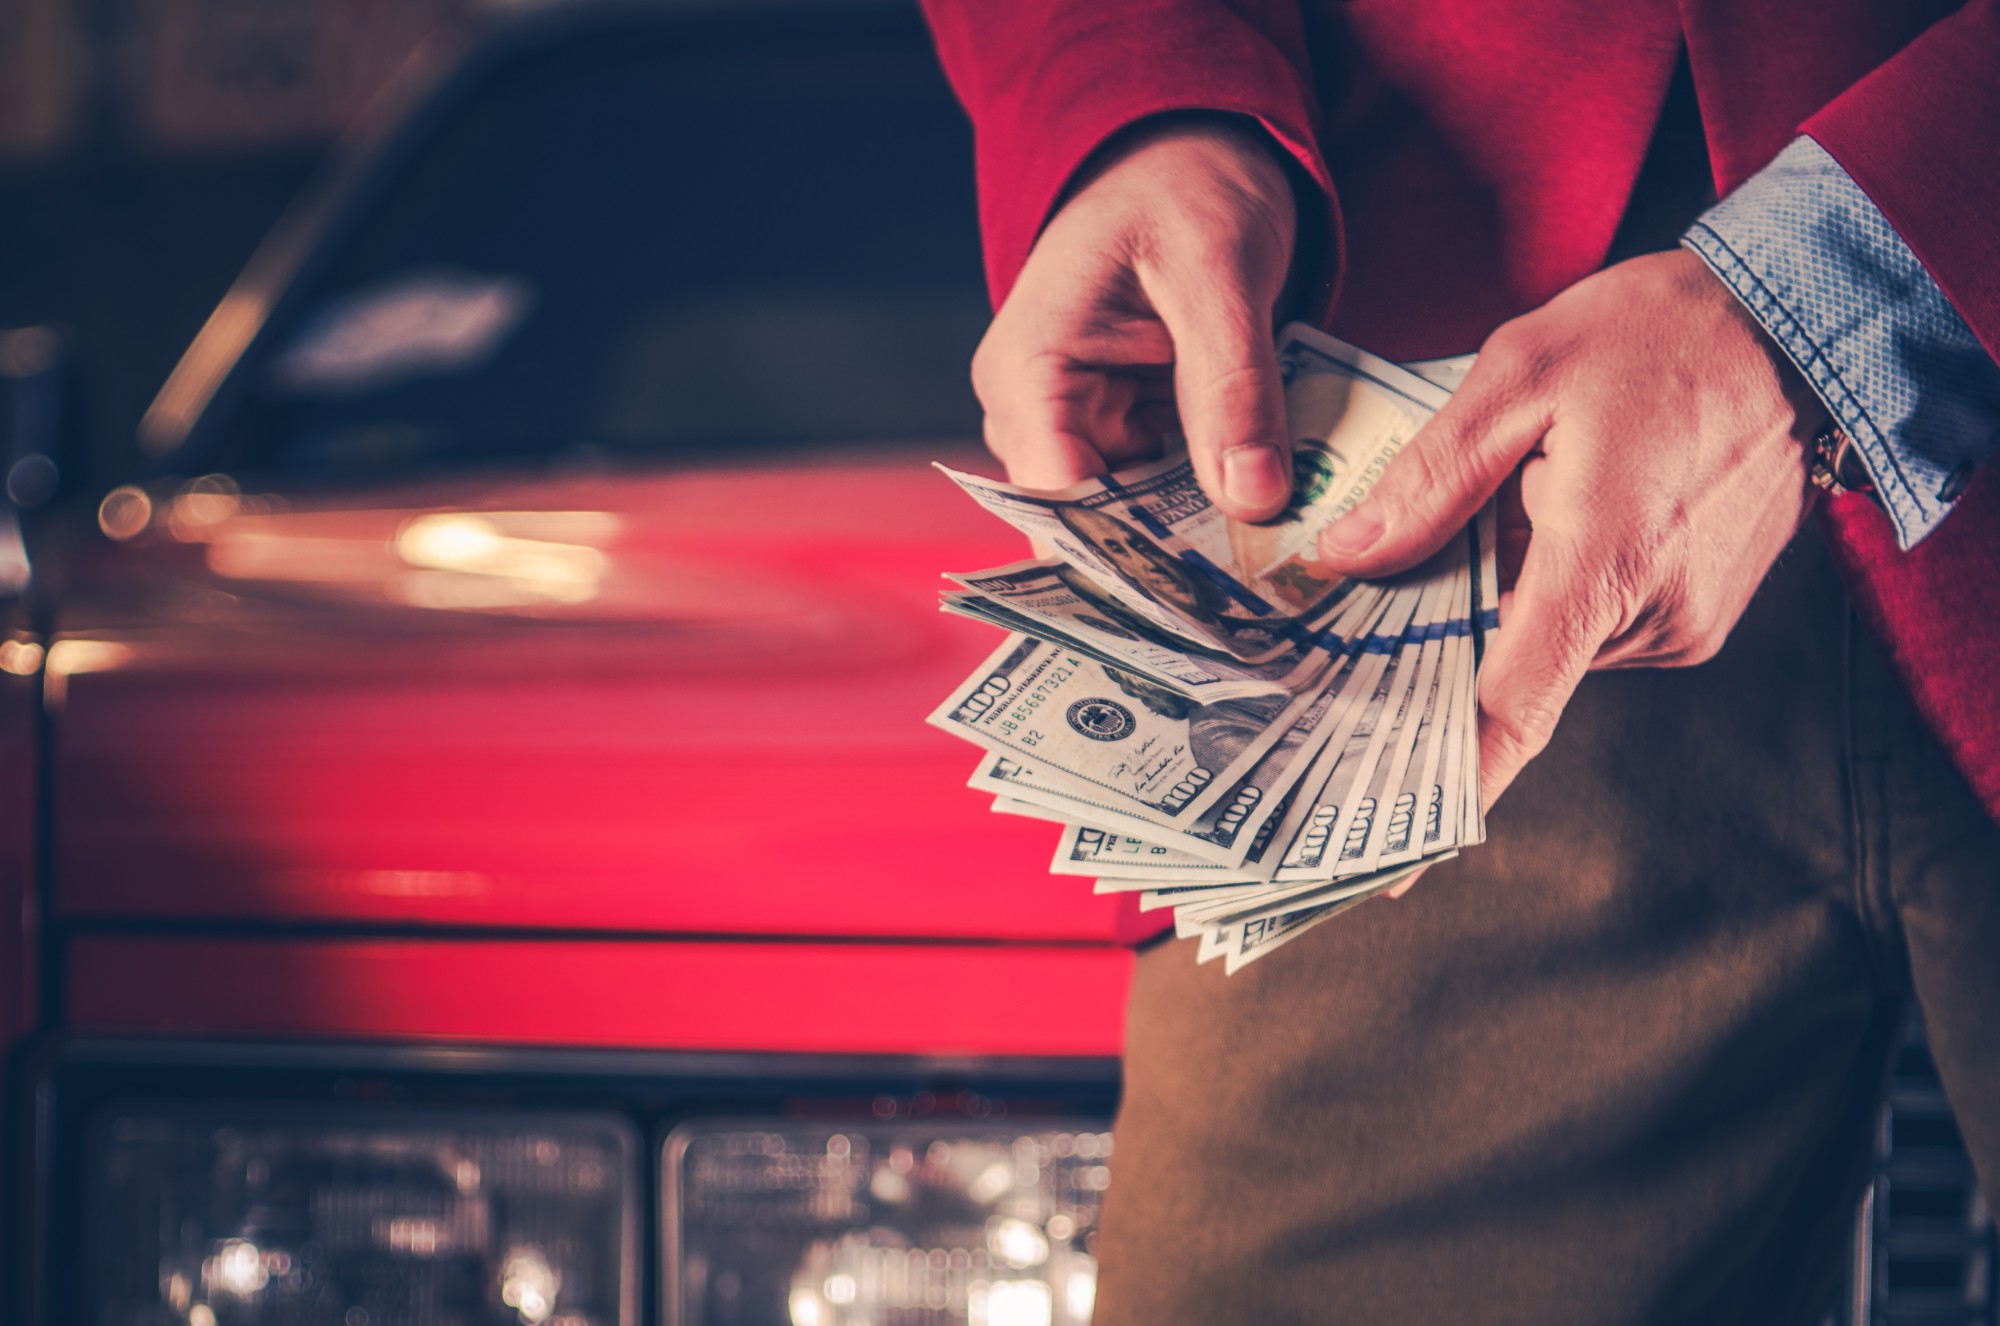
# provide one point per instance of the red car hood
(665, 703)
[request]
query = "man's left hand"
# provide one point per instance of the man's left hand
(1658, 439)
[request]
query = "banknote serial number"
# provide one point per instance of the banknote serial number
(1013, 723)
(1016, 720)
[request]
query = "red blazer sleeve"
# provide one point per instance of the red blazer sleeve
(1918, 135)
(1048, 81)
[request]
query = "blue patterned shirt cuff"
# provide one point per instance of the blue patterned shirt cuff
(1821, 268)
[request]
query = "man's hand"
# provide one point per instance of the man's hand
(1658, 436)
(1145, 309)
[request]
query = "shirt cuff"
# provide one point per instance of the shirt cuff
(1818, 265)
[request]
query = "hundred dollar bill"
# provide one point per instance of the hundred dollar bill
(1240, 945)
(1258, 939)
(1387, 796)
(1129, 863)
(1243, 943)
(1188, 683)
(1215, 940)
(1234, 911)
(1376, 738)
(1222, 910)
(1180, 895)
(1221, 838)
(1485, 619)
(1335, 819)
(1140, 747)
(1220, 725)
(1047, 795)
(1319, 841)
(1359, 687)
(1402, 830)
(1081, 853)
(1397, 788)
(1150, 538)
(1292, 819)
(1237, 827)
(1349, 413)
(1052, 600)
(1456, 816)
(1125, 862)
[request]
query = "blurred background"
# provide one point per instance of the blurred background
(469, 851)
(147, 146)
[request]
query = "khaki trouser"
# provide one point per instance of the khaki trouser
(1619, 1064)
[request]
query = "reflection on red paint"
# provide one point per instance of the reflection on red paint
(805, 998)
(724, 737)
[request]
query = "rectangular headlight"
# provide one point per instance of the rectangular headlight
(798, 1224)
(204, 1217)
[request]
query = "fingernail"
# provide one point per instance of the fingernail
(1354, 533)
(1255, 476)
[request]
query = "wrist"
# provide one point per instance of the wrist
(1216, 143)
(1831, 466)
(1196, 155)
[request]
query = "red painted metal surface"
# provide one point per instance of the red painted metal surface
(836, 998)
(714, 724)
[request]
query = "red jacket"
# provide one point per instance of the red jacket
(1477, 156)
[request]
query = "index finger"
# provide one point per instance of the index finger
(1054, 419)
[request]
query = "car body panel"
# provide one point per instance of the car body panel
(563, 702)
(855, 998)
(724, 735)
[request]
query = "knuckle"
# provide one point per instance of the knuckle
(1211, 226)
(1424, 473)
(1518, 730)
(1231, 379)
(986, 367)
(1694, 621)
(1207, 243)
(1230, 393)
(1628, 600)
(1677, 652)
(1696, 638)
(1520, 347)
(995, 437)
(1704, 646)
(1522, 359)
(1621, 587)
(1214, 278)
(1602, 601)
(1510, 341)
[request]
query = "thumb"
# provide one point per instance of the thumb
(1232, 404)
(1438, 481)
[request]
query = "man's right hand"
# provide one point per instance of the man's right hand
(1144, 309)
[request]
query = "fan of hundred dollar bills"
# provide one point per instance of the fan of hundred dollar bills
(1220, 723)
